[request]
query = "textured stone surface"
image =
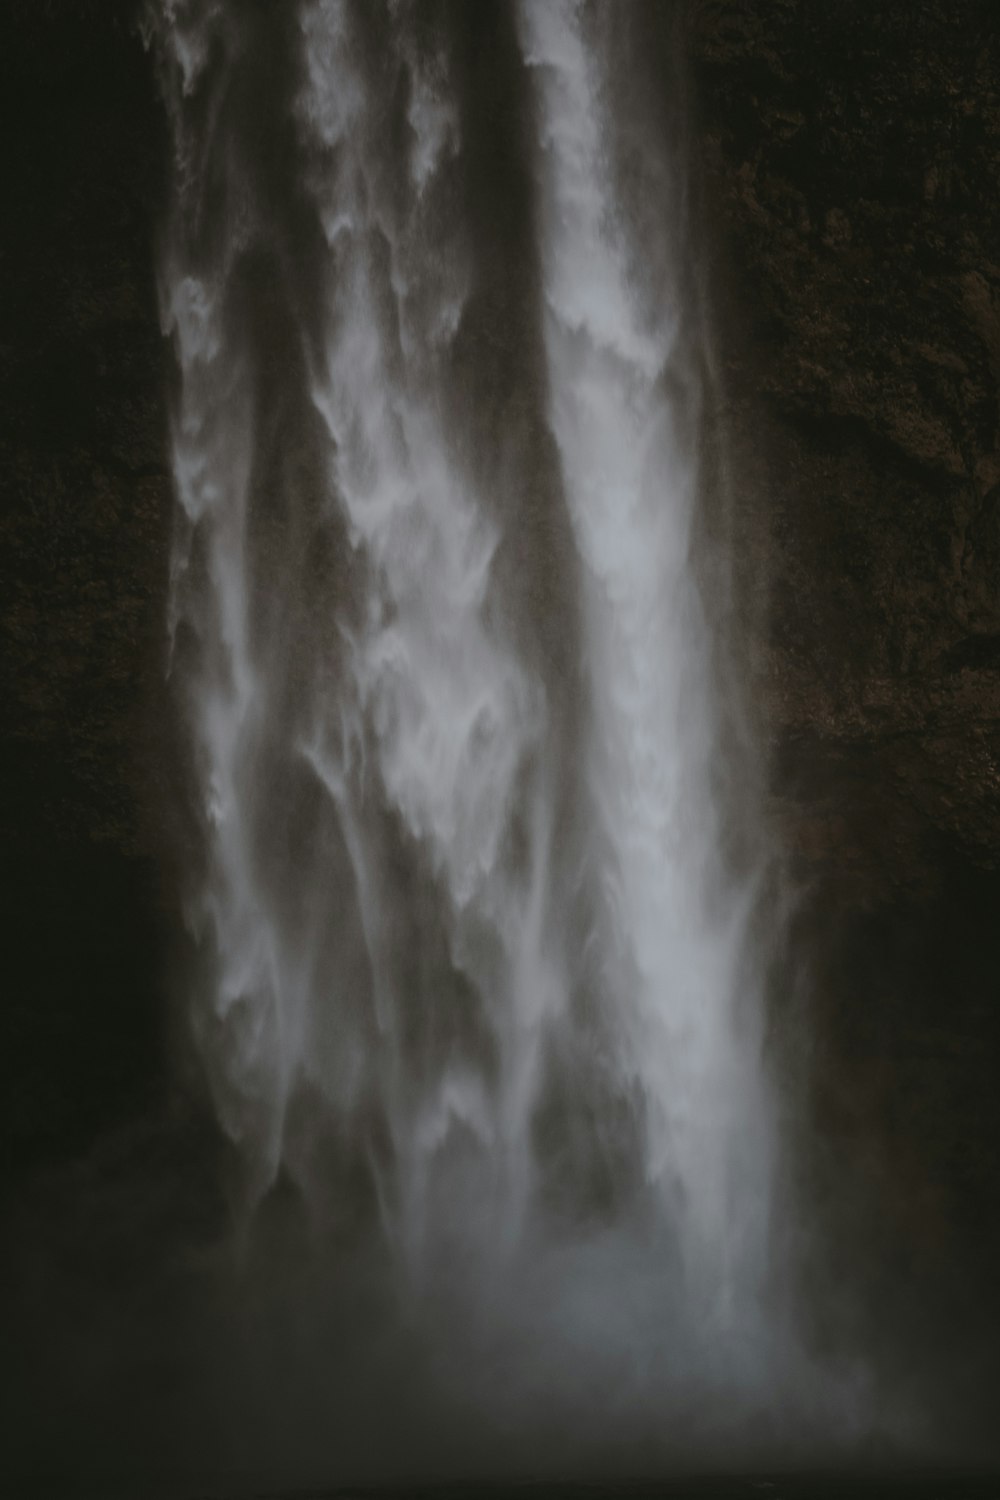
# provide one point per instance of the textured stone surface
(851, 157)
(852, 153)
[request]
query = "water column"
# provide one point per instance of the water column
(237, 1005)
(424, 746)
(470, 974)
(624, 404)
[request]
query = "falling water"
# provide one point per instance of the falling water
(624, 408)
(473, 975)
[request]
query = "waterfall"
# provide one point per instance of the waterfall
(473, 975)
(624, 397)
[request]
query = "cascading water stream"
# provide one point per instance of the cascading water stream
(473, 975)
(446, 714)
(624, 402)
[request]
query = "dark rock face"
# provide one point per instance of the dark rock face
(853, 151)
(851, 154)
(851, 160)
(85, 506)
